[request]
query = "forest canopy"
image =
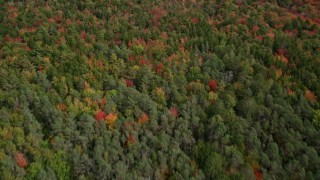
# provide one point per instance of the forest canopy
(137, 89)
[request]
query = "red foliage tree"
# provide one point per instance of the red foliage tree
(255, 28)
(173, 111)
(243, 21)
(7, 38)
(213, 85)
(257, 174)
(281, 51)
(18, 39)
(131, 139)
(131, 57)
(260, 38)
(100, 115)
(83, 35)
(129, 83)
(142, 62)
(291, 33)
(195, 20)
(159, 68)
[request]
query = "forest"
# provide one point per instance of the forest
(160, 89)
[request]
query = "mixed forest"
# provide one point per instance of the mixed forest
(160, 89)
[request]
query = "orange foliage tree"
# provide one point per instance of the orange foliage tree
(143, 118)
(111, 118)
(21, 160)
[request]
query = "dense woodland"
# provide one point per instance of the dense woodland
(148, 89)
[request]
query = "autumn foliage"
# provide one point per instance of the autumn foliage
(61, 106)
(131, 140)
(258, 174)
(184, 89)
(173, 111)
(213, 85)
(143, 118)
(310, 96)
(21, 160)
(103, 102)
(111, 118)
(83, 35)
(100, 115)
(159, 68)
(129, 83)
(195, 20)
(255, 28)
(131, 57)
(290, 91)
